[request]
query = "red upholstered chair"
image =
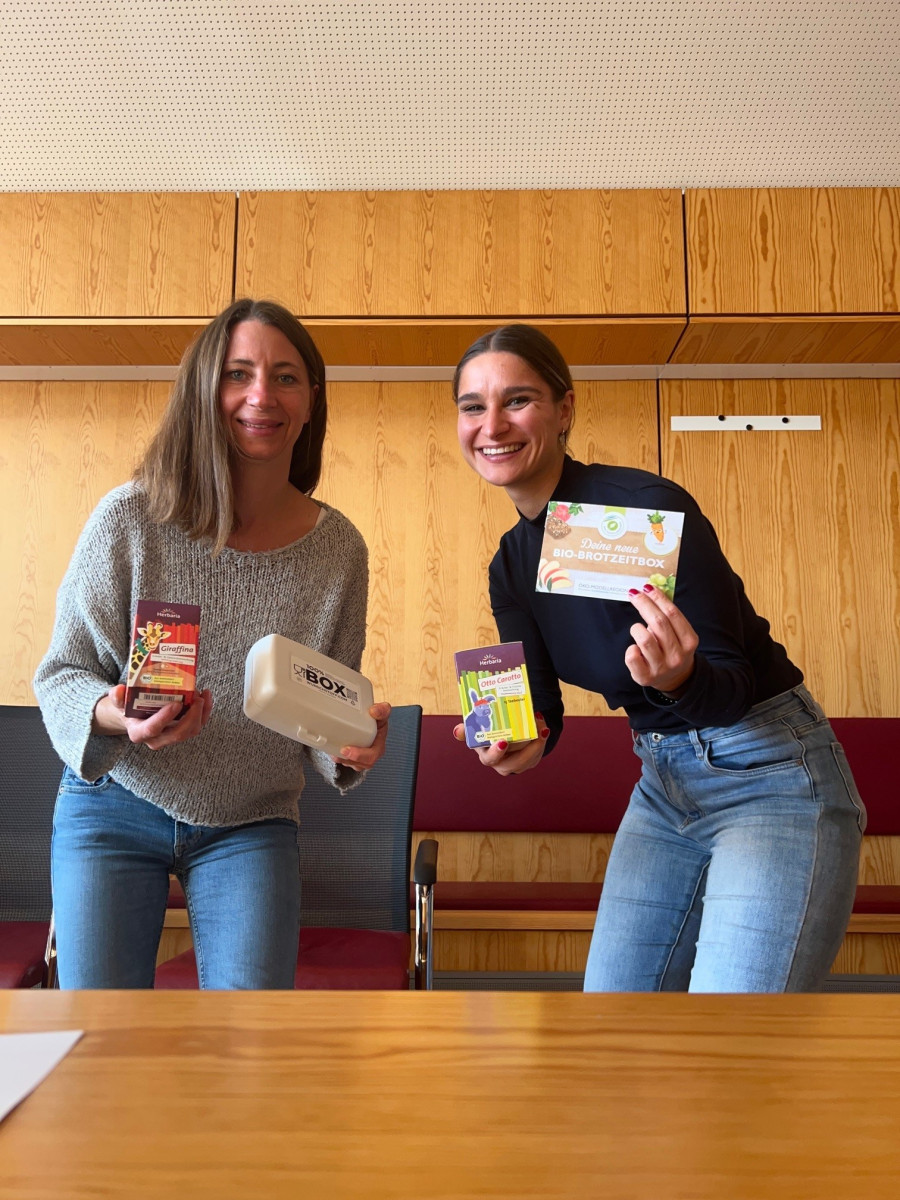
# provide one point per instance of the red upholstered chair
(29, 781)
(355, 869)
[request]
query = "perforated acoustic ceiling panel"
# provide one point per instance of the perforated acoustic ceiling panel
(191, 95)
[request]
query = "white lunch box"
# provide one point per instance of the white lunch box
(307, 696)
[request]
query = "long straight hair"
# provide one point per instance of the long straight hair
(187, 468)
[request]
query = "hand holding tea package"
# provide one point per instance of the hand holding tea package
(495, 695)
(162, 667)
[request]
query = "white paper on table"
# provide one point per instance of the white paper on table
(26, 1059)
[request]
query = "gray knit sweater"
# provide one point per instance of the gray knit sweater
(235, 771)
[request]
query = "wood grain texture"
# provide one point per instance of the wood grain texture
(561, 948)
(487, 857)
(879, 860)
(73, 342)
(580, 919)
(510, 949)
(487, 919)
(527, 1095)
(469, 253)
(173, 941)
(504, 940)
(793, 250)
(434, 341)
(116, 255)
(343, 342)
(392, 465)
(789, 340)
(868, 954)
(62, 447)
(808, 520)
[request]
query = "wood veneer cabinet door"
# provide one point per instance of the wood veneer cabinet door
(393, 466)
(749, 339)
(793, 250)
(116, 255)
(809, 520)
(464, 253)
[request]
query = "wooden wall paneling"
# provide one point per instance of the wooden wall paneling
(789, 340)
(73, 342)
(868, 954)
(510, 950)
(809, 520)
(567, 950)
(393, 466)
(436, 341)
(879, 860)
(430, 254)
(80, 254)
(793, 250)
(62, 447)
(392, 463)
(458, 947)
(175, 938)
(491, 857)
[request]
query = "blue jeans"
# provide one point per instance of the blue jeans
(735, 866)
(112, 853)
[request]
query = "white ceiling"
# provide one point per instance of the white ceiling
(139, 95)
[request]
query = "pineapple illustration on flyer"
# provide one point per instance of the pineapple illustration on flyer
(495, 695)
(605, 550)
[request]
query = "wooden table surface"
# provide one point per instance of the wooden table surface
(456, 1095)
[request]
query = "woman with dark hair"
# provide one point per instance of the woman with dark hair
(219, 514)
(735, 866)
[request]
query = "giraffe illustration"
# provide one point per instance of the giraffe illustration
(150, 637)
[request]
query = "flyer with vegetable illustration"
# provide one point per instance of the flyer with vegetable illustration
(604, 550)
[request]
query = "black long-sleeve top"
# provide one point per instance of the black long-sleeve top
(582, 640)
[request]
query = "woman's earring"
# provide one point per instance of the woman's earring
(564, 439)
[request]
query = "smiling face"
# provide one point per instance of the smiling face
(509, 427)
(264, 394)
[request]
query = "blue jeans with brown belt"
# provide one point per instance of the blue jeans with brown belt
(735, 866)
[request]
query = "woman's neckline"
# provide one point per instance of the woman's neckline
(324, 511)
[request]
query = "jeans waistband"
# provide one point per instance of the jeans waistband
(794, 700)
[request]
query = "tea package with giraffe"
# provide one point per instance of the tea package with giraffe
(603, 550)
(495, 694)
(163, 663)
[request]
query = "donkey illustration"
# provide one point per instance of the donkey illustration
(480, 719)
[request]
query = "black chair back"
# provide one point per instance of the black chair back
(29, 781)
(355, 849)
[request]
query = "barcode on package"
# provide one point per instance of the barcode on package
(155, 700)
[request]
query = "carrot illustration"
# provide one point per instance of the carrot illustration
(656, 519)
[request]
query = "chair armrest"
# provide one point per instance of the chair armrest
(425, 866)
(424, 876)
(51, 979)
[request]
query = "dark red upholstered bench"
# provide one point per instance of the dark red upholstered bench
(584, 788)
(22, 949)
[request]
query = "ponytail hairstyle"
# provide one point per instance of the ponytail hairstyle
(529, 344)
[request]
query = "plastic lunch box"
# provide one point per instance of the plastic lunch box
(307, 696)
